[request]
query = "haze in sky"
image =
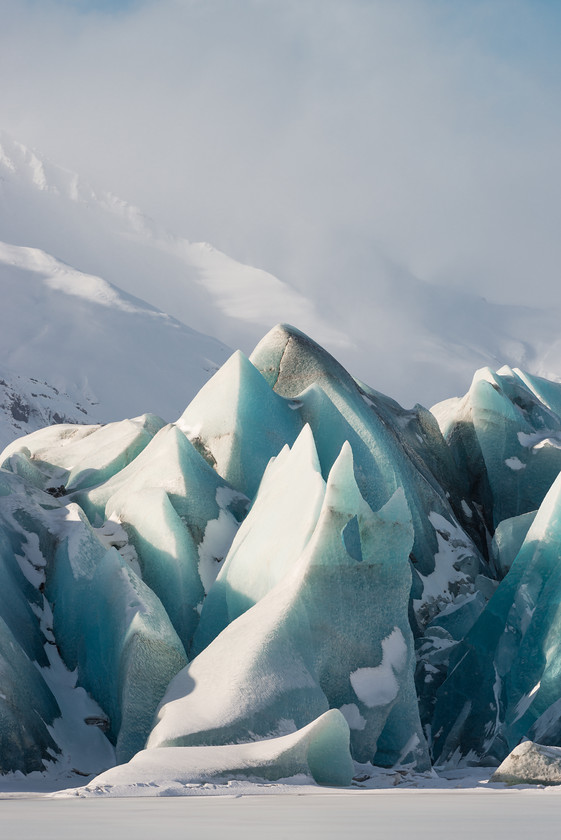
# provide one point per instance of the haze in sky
(331, 143)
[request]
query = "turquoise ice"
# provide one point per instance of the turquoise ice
(251, 409)
(81, 456)
(239, 423)
(297, 556)
(506, 439)
(180, 517)
(333, 632)
(270, 540)
(27, 706)
(114, 629)
(380, 433)
(507, 541)
(512, 654)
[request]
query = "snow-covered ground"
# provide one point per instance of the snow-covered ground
(391, 803)
(300, 812)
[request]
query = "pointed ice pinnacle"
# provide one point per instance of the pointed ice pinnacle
(297, 647)
(239, 423)
(271, 538)
(380, 433)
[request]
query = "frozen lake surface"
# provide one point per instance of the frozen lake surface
(439, 815)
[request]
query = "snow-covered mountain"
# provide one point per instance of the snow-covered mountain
(75, 348)
(27, 404)
(77, 343)
(417, 341)
(44, 206)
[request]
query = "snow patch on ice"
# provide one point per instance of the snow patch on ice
(515, 463)
(218, 537)
(525, 702)
(113, 535)
(452, 563)
(548, 441)
(409, 747)
(538, 440)
(379, 686)
(352, 715)
(466, 509)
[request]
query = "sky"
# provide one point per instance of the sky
(328, 141)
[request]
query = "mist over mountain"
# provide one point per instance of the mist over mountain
(417, 341)
(75, 348)
(47, 207)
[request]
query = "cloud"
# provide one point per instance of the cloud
(317, 139)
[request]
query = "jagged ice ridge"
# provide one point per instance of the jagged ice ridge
(297, 577)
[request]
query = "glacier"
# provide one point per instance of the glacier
(297, 577)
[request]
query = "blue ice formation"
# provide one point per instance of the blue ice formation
(113, 629)
(180, 516)
(27, 706)
(297, 554)
(264, 550)
(329, 629)
(507, 541)
(513, 651)
(505, 435)
(392, 449)
(81, 456)
(238, 423)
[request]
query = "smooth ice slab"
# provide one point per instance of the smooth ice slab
(319, 751)
(507, 540)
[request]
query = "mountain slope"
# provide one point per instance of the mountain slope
(76, 348)
(402, 335)
(45, 206)
(421, 342)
